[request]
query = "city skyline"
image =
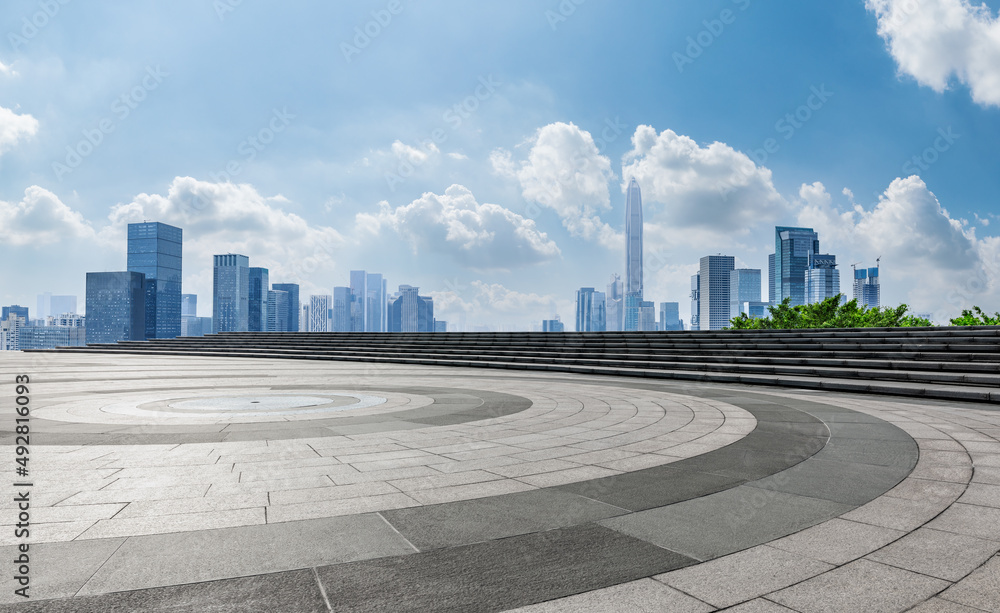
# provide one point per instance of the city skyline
(498, 185)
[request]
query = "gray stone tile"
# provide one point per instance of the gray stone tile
(58, 570)
(939, 554)
(862, 585)
(473, 521)
(940, 605)
(650, 488)
(896, 513)
(837, 541)
(497, 575)
(982, 494)
(759, 605)
(726, 522)
(953, 474)
(634, 597)
(842, 482)
(743, 576)
(982, 522)
(978, 590)
(207, 555)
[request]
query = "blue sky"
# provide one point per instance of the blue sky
(478, 150)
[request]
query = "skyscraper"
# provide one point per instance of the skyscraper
(584, 309)
(375, 303)
(155, 250)
(320, 312)
(116, 307)
(293, 304)
(744, 286)
(189, 305)
(277, 311)
(822, 278)
(359, 287)
(670, 316)
(633, 256)
(257, 300)
(342, 299)
(410, 312)
(713, 291)
(792, 248)
(231, 293)
(866, 287)
(771, 296)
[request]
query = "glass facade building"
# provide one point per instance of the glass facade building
(615, 305)
(866, 287)
(670, 316)
(410, 312)
(231, 293)
(714, 284)
(792, 248)
(257, 301)
(744, 286)
(292, 289)
(822, 278)
(155, 250)
(116, 307)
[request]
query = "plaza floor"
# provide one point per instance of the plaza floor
(198, 483)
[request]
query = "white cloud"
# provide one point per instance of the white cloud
(565, 172)
(930, 260)
(413, 155)
(14, 128)
(481, 236)
(7, 70)
(492, 304)
(458, 156)
(935, 41)
(40, 219)
(713, 189)
(235, 218)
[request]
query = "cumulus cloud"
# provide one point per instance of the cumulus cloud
(930, 260)
(15, 128)
(567, 173)
(482, 236)
(235, 218)
(413, 155)
(40, 219)
(715, 188)
(936, 41)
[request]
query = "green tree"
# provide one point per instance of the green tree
(828, 314)
(976, 317)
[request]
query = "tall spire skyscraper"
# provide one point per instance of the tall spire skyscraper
(633, 256)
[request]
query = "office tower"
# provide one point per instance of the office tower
(866, 287)
(695, 301)
(647, 316)
(257, 300)
(410, 312)
(822, 278)
(770, 279)
(744, 286)
(231, 293)
(189, 305)
(584, 309)
(320, 312)
(599, 312)
(50, 306)
(440, 326)
(17, 310)
(375, 303)
(277, 311)
(714, 291)
(633, 238)
(792, 247)
(304, 321)
(670, 316)
(342, 299)
(615, 304)
(359, 287)
(293, 304)
(116, 306)
(155, 250)
(552, 325)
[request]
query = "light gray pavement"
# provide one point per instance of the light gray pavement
(762, 499)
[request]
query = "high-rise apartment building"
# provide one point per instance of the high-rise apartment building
(792, 248)
(116, 306)
(292, 289)
(744, 286)
(257, 300)
(714, 284)
(155, 250)
(822, 278)
(866, 287)
(231, 293)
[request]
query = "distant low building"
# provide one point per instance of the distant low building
(552, 325)
(50, 337)
(440, 326)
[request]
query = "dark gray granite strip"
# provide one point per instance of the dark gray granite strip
(499, 574)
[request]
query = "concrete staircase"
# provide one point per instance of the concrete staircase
(960, 363)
